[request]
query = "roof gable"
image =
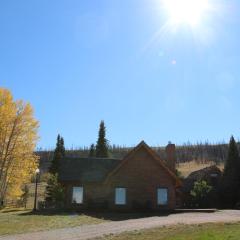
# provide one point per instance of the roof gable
(155, 156)
(87, 170)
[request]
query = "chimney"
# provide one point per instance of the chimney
(171, 156)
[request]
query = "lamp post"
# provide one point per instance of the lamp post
(36, 185)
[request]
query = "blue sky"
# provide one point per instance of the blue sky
(78, 62)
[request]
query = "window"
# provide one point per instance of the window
(162, 196)
(77, 195)
(120, 196)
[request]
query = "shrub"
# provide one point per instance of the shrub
(200, 193)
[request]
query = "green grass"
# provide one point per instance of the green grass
(14, 221)
(186, 232)
(20, 221)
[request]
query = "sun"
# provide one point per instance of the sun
(186, 11)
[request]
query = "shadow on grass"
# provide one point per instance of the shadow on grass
(11, 210)
(120, 216)
(105, 215)
(114, 215)
(48, 213)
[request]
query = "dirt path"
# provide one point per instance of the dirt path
(98, 230)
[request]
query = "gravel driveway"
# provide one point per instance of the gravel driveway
(98, 230)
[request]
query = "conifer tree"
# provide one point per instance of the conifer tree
(231, 176)
(102, 142)
(62, 148)
(54, 190)
(92, 151)
(232, 164)
(59, 152)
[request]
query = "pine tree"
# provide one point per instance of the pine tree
(232, 164)
(231, 176)
(54, 190)
(62, 148)
(102, 142)
(59, 153)
(92, 151)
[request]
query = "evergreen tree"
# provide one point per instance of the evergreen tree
(102, 142)
(92, 151)
(230, 191)
(59, 152)
(62, 148)
(232, 164)
(54, 191)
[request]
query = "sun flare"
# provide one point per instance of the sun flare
(186, 11)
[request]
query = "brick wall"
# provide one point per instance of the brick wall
(141, 175)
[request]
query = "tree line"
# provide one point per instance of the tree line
(201, 152)
(228, 191)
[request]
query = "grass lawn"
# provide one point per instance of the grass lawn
(180, 232)
(19, 221)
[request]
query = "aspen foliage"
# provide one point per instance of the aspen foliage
(18, 137)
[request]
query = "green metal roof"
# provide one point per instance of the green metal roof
(86, 170)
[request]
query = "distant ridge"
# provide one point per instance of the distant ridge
(201, 152)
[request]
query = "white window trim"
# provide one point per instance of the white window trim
(121, 200)
(158, 196)
(80, 197)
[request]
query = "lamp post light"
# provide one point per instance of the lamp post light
(36, 185)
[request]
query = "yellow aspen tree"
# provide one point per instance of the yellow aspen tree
(18, 138)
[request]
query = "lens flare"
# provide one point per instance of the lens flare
(186, 11)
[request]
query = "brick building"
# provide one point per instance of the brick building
(140, 180)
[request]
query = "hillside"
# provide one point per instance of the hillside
(201, 153)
